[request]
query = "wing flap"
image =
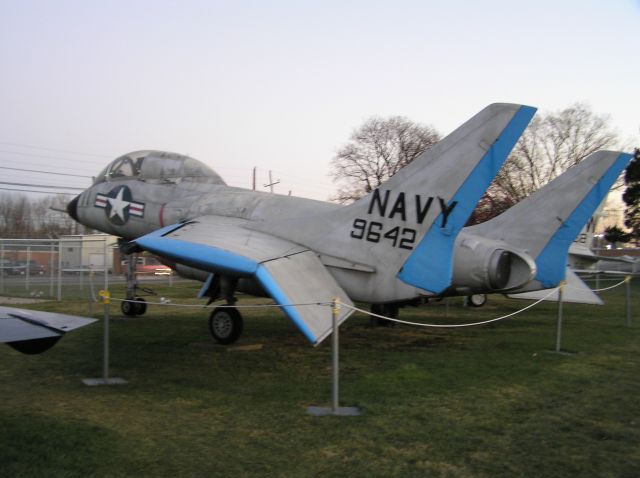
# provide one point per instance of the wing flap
(303, 279)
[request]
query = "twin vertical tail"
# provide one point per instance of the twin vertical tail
(547, 222)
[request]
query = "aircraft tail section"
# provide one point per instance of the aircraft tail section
(547, 222)
(462, 165)
(575, 292)
(410, 223)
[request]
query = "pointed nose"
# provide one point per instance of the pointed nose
(72, 208)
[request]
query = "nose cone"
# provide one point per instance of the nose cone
(72, 208)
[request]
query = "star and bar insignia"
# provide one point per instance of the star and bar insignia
(119, 205)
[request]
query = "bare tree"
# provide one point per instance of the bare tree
(24, 217)
(375, 152)
(550, 145)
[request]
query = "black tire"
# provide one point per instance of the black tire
(225, 325)
(128, 308)
(477, 300)
(388, 310)
(140, 306)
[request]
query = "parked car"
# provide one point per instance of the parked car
(21, 268)
(5, 266)
(152, 266)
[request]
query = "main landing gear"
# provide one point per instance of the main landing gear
(388, 310)
(476, 300)
(225, 323)
(131, 309)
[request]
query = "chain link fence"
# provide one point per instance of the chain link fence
(73, 267)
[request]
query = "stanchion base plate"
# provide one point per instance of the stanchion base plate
(92, 382)
(340, 411)
(560, 352)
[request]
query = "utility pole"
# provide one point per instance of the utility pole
(254, 178)
(271, 182)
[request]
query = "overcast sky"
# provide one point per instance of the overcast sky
(281, 84)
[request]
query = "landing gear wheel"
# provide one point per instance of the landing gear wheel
(128, 308)
(225, 324)
(140, 306)
(477, 300)
(388, 310)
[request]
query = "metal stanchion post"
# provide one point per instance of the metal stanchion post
(105, 380)
(559, 326)
(558, 348)
(627, 287)
(106, 264)
(335, 408)
(335, 349)
(105, 338)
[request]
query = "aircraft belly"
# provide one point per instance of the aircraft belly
(374, 288)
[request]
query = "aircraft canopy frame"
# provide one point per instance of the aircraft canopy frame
(158, 165)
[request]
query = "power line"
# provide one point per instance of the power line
(32, 164)
(56, 150)
(39, 192)
(45, 172)
(38, 155)
(41, 186)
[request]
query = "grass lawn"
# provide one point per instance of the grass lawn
(476, 402)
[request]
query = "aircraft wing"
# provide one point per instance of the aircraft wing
(291, 274)
(34, 331)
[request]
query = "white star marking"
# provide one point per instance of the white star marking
(118, 205)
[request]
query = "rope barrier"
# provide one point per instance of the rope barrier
(450, 326)
(624, 281)
(167, 302)
(209, 306)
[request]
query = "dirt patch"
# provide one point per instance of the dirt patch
(20, 300)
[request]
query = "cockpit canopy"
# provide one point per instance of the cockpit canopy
(158, 165)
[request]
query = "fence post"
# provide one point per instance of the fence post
(60, 269)
(3, 271)
(51, 269)
(27, 269)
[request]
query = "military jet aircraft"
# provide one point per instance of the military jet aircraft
(34, 331)
(401, 243)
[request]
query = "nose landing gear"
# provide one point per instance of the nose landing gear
(133, 305)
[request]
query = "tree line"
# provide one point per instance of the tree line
(551, 144)
(23, 216)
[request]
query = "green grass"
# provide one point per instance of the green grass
(475, 402)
